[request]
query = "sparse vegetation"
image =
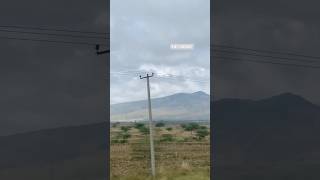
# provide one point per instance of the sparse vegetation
(125, 128)
(122, 137)
(175, 148)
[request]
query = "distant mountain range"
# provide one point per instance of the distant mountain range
(60, 153)
(52, 144)
(180, 106)
(274, 138)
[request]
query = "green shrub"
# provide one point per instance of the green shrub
(160, 124)
(114, 141)
(144, 130)
(125, 135)
(125, 128)
(123, 141)
(191, 127)
(169, 129)
(203, 127)
(202, 133)
(166, 138)
(181, 139)
(139, 125)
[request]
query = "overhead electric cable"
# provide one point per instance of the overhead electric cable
(265, 51)
(52, 29)
(267, 56)
(265, 62)
(53, 34)
(50, 41)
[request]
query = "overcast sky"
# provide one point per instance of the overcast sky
(47, 85)
(141, 34)
(50, 85)
(286, 26)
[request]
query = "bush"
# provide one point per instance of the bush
(144, 130)
(122, 137)
(126, 135)
(202, 133)
(160, 124)
(123, 141)
(203, 127)
(125, 128)
(194, 126)
(166, 138)
(182, 139)
(114, 141)
(169, 129)
(139, 125)
(191, 127)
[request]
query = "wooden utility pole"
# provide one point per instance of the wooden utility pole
(153, 169)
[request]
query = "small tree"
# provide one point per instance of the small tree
(203, 127)
(160, 124)
(202, 133)
(166, 138)
(123, 136)
(125, 128)
(144, 130)
(126, 135)
(169, 129)
(138, 125)
(191, 127)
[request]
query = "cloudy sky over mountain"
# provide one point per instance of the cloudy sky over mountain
(285, 26)
(141, 34)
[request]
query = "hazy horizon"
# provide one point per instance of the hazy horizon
(160, 97)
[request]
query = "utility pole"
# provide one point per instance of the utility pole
(153, 169)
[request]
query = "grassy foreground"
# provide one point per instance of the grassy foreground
(179, 154)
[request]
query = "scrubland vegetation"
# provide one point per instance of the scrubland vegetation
(182, 151)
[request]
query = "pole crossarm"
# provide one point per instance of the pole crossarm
(148, 76)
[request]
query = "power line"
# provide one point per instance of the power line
(164, 76)
(265, 62)
(53, 34)
(266, 51)
(50, 41)
(52, 29)
(183, 78)
(268, 56)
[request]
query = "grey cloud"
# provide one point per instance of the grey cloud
(288, 26)
(47, 85)
(141, 34)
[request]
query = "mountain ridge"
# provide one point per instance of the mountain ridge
(177, 106)
(256, 135)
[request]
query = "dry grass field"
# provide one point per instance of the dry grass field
(179, 153)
